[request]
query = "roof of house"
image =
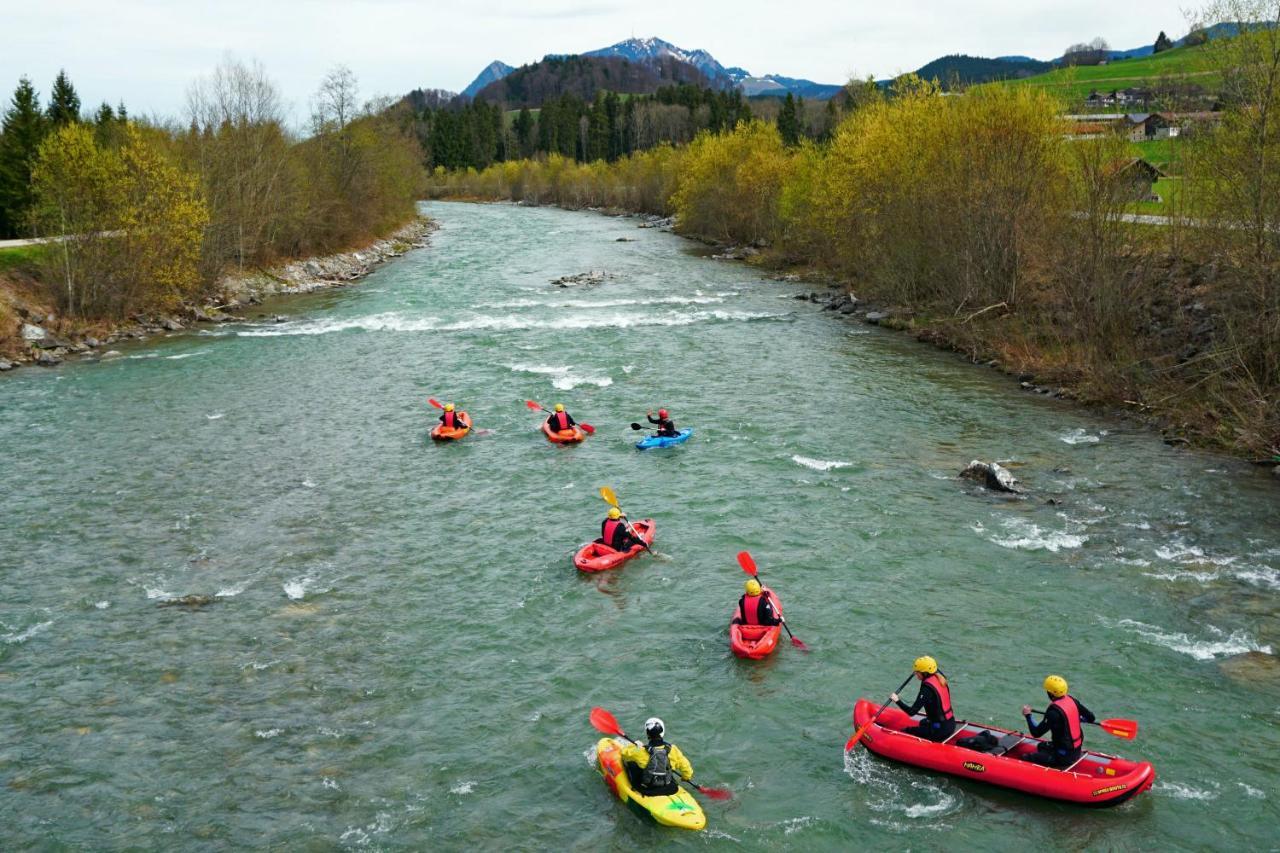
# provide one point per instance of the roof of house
(1121, 166)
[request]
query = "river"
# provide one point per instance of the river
(403, 654)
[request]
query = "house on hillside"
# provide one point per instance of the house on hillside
(1137, 178)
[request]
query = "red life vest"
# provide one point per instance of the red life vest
(563, 418)
(751, 609)
(610, 530)
(944, 695)
(1071, 711)
(450, 420)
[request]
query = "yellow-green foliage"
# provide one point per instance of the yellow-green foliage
(730, 184)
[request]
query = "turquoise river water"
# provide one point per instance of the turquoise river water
(403, 656)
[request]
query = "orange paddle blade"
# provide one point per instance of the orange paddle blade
(857, 736)
(748, 564)
(1127, 729)
(531, 404)
(433, 401)
(603, 721)
(588, 429)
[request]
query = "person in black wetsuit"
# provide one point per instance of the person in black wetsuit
(666, 426)
(615, 532)
(935, 698)
(449, 419)
(560, 419)
(1064, 718)
(754, 608)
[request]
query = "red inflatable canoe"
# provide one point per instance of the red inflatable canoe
(755, 641)
(594, 557)
(563, 436)
(1096, 780)
(442, 434)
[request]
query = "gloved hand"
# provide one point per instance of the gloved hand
(1026, 710)
(893, 697)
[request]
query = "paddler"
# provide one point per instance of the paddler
(450, 420)
(652, 767)
(935, 697)
(755, 608)
(560, 419)
(1064, 717)
(666, 426)
(616, 533)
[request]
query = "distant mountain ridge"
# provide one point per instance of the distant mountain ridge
(583, 76)
(494, 71)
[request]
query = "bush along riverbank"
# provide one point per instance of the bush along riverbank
(34, 333)
(972, 222)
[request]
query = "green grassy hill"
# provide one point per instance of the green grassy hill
(1183, 64)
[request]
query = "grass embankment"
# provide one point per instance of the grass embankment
(1181, 65)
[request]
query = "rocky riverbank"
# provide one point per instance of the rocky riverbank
(36, 335)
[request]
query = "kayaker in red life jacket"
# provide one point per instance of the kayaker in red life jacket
(449, 420)
(666, 426)
(1065, 718)
(652, 768)
(754, 608)
(935, 698)
(560, 419)
(614, 532)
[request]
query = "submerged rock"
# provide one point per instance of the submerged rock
(1252, 668)
(991, 475)
(190, 602)
(582, 278)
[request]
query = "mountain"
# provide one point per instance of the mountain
(642, 50)
(554, 76)
(964, 69)
(495, 70)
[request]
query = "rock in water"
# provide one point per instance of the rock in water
(991, 475)
(190, 602)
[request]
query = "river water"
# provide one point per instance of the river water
(403, 654)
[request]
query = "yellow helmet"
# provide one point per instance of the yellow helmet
(926, 664)
(1055, 686)
(448, 407)
(615, 513)
(559, 407)
(753, 587)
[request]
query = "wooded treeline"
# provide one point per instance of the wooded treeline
(149, 214)
(981, 226)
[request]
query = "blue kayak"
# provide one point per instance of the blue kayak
(664, 440)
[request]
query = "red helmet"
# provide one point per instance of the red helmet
(662, 413)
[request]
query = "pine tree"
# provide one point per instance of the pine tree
(524, 130)
(64, 103)
(23, 130)
(788, 122)
(1162, 43)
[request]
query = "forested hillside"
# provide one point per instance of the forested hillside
(583, 76)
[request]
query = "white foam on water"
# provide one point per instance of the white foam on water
(627, 368)
(463, 788)
(1027, 536)
(539, 369)
(102, 605)
(309, 483)
(1251, 791)
(1079, 436)
(154, 592)
(19, 637)
(298, 588)
(394, 322)
(1198, 577)
(796, 824)
(819, 464)
(1263, 576)
(330, 783)
(570, 381)
(183, 355)
(216, 416)
(1221, 645)
(268, 734)
(590, 304)
(1179, 791)
(944, 804)
(1180, 552)
(232, 591)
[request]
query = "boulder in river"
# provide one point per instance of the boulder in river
(48, 358)
(991, 475)
(5, 365)
(190, 602)
(1252, 668)
(582, 278)
(32, 332)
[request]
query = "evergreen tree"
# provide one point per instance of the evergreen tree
(64, 103)
(122, 114)
(1163, 43)
(830, 120)
(23, 130)
(524, 129)
(789, 122)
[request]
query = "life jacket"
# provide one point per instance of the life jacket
(610, 529)
(657, 773)
(751, 608)
(1071, 711)
(944, 695)
(563, 418)
(450, 420)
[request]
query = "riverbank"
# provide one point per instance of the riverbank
(32, 333)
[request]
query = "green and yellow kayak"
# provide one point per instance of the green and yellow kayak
(680, 809)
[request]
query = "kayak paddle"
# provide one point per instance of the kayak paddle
(612, 500)
(433, 401)
(749, 566)
(857, 736)
(1126, 729)
(587, 428)
(603, 721)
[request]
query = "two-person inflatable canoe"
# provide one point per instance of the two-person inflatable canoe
(664, 440)
(595, 557)
(755, 641)
(1096, 780)
(440, 433)
(563, 436)
(680, 809)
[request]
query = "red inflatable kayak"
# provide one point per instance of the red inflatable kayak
(563, 436)
(755, 641)
(442, 434)
(594, 557)
(1096, 780)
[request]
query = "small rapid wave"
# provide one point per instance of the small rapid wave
(1023, 535)
(596, 304)
(16, 638)
(1179, 791)
(819, 464)
(1221, 644)
(563, 378)
(1079, 436)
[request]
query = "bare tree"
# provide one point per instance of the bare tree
(336, 100)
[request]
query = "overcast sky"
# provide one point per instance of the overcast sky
(147, 51)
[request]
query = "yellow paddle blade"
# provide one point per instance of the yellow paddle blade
(608, 495)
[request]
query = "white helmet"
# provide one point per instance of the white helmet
(654, 726)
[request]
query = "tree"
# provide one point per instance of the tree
(64, 103)
(1196, 37)
(335, 101)
(524, 129)
(789, 122)
(1163, 43)
(23, 130)
(1095, 52)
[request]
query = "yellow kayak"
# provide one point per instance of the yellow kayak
(680, 809)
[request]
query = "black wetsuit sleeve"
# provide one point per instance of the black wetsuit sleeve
(1085, 714)
(569, 417)
(922, 701)
(651, 419)
(768, 616)
(1052, 722)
